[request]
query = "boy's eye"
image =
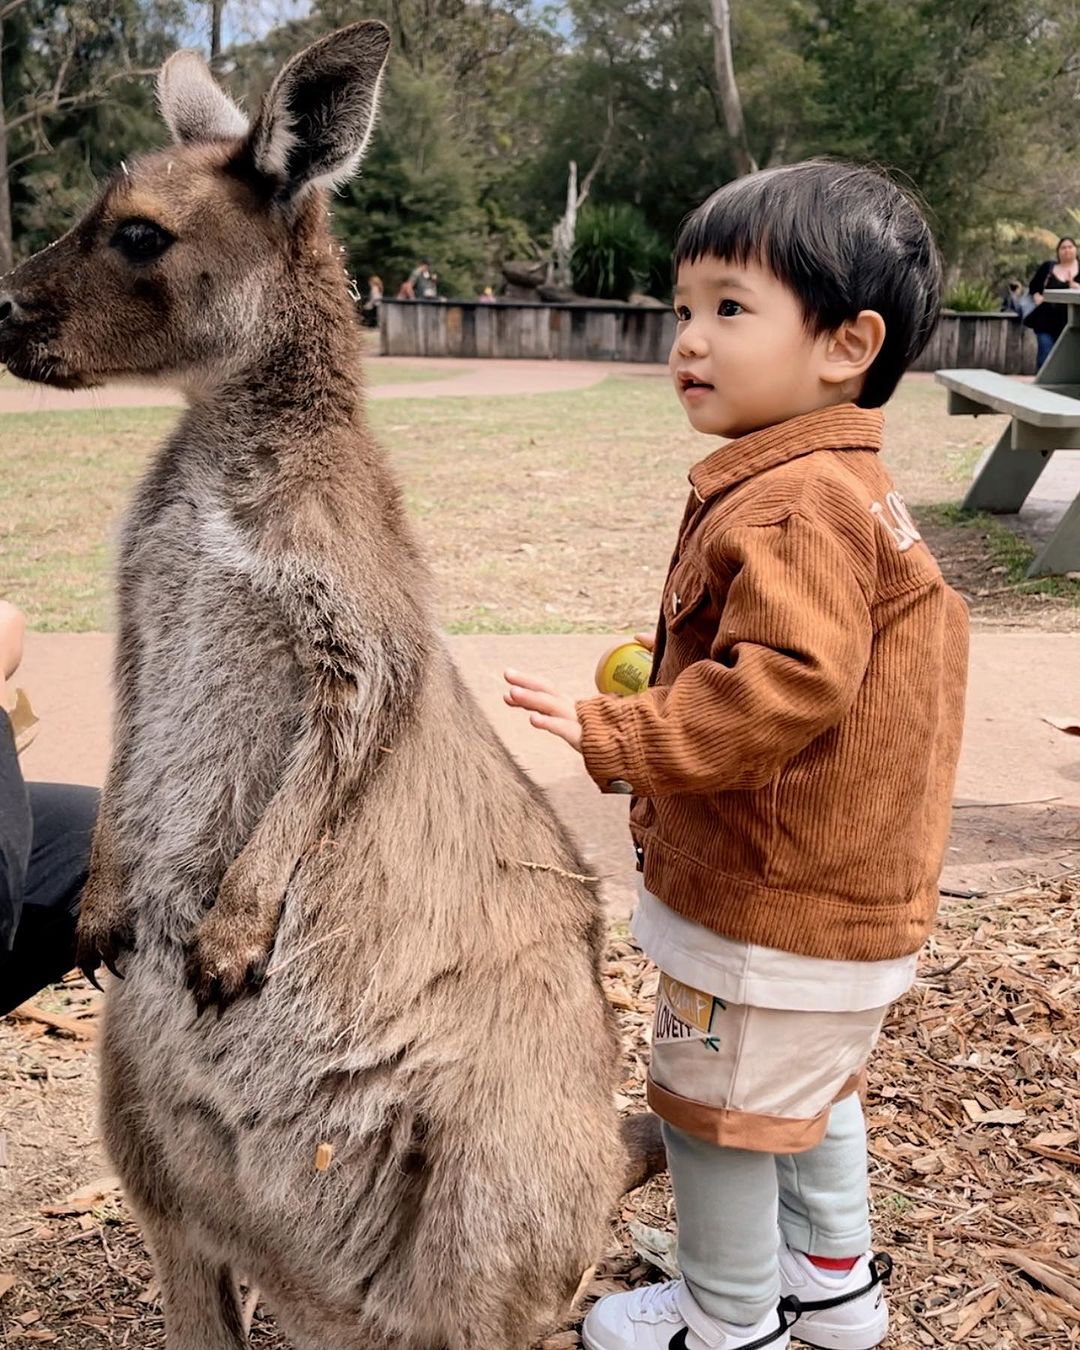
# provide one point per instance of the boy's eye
(682, 313)
(728, 309)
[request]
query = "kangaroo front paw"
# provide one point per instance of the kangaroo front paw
(105, 932)
(227, 957)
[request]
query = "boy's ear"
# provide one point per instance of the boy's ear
(852, 349)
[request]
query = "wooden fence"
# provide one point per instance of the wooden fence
(520, 330)
(981, 341)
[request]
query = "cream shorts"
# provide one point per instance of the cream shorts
(754, 1078)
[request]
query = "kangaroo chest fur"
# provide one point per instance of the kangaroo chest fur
(215, 696)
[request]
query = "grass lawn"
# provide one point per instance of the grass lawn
(547, 513)
(396, 372)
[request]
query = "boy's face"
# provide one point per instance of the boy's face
(743, 357)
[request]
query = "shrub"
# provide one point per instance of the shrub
(973, 297)
(614, 251)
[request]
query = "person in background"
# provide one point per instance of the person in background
(487, 296)
(45, 831)
(420, 284)
(1058, 274)
(1015, 299)
(373, 301)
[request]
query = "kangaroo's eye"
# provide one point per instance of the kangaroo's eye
(141, 241)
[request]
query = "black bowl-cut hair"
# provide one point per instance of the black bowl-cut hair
(844, 239)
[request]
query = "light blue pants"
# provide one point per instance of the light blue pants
(729, 1202)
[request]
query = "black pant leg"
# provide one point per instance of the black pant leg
(63, 822)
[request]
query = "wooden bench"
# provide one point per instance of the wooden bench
(1044, 418)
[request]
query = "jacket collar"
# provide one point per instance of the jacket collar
(841, 427)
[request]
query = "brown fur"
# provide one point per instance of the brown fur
(303, 796)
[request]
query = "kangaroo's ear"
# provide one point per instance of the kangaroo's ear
(194, 105)
(317, 119)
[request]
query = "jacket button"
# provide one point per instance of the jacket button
(620, 785)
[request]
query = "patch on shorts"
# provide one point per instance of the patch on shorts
(684, 1014)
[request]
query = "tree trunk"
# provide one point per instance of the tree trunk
(7, 258)
(216, 6)
(565, 231)
(729, 90)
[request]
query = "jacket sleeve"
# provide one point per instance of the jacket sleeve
(785, 667)
(15, 835)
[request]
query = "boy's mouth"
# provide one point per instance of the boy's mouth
(689, 383)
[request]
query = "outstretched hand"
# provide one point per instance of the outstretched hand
(548, 709)
(12, 632)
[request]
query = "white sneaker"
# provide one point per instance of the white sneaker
(667, 1317)
(841, 1313)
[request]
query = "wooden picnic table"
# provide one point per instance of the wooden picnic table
(1045, 418)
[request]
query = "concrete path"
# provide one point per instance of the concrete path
(1012, 762)
(473, 378)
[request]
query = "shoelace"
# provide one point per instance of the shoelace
(660, 1301)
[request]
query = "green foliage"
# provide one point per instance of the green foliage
(972, 297)
(614, 251)
(417, 194)
(78, 96)
(487, 101)
(1005, 250)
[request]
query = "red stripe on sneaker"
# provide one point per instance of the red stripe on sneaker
(833, 1262)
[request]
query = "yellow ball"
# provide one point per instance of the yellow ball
(624, 669)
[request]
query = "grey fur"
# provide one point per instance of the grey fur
(303, 796)
(195, 107)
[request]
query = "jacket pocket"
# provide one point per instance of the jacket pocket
(686, 595)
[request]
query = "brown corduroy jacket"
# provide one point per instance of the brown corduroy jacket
(793, 760)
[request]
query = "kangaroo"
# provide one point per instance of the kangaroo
(397, 1119)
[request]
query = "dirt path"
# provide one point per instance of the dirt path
(496, 379)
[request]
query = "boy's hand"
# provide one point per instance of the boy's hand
(647, 640)
(549, 710)
(12, 631)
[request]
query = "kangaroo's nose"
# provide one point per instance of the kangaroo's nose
(8, 309)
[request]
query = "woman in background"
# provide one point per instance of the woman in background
(1048, 321)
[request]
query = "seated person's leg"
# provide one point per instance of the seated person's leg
(63, 822)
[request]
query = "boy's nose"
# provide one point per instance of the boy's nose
(691, 342)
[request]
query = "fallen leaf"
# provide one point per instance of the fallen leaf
(655, 1246)
(86, 1198)
(1069, 725)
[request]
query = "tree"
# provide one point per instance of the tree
(216, 8)
(965, 100)
(75, 97)
(459, 113)
(728, 87)
(565, 231)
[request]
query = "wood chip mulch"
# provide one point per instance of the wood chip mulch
(974, 1111)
